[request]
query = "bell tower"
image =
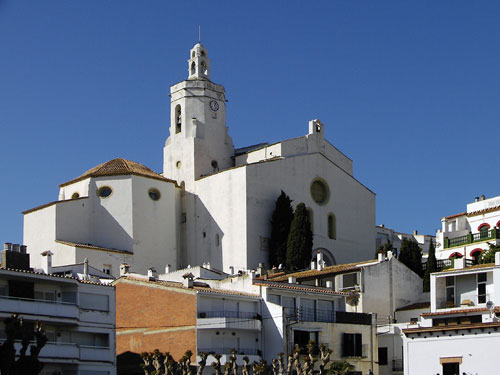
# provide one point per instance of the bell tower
(198, 144)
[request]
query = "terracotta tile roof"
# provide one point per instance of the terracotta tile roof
(415, 306)
(459, 311)
(298, 287)
(451, 328)
(484, 211)
(475, 266)
(32, 272)
(325, 271)
(118, 167)
(456, 215)
(93, 247)
(179, 285)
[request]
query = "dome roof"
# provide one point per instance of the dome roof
(118, 167)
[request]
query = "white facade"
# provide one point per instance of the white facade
(216, 202)
(78, 317)
(229, 194)
(469, 233)
(385, 234)
(460, 333)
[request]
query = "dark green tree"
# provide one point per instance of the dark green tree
(300, 240)
(280, 228)
(384, 248)
(489, 255)
(411, 255)
(431, 267)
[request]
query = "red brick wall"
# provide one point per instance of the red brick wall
(148, 318)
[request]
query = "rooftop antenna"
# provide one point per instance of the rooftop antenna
(199, 33)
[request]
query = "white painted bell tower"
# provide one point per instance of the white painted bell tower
(198, 144)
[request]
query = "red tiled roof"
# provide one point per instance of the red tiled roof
(340, 268)
(456, 215)
(459, 311)
(298, 287)
(93, 247)
(415, 306)
(195, 288)
(118, 167)
(483, 211)
(451, 328)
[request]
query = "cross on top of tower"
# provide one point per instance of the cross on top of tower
(198, 63)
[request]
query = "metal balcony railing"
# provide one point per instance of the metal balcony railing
(397, 365)
(228, 314)
(472, 238)
(241, 351)
(327, 316)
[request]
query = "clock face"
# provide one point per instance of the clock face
(214, 105)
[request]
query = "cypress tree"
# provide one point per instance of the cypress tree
(431, 267)
(300, 240)
(411, 255)
(280, 228)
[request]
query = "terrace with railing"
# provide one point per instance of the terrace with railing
(327, 316)
(485, 235)
(229, 314)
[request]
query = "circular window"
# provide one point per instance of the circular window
(75, 195)
(178, 164)
(154, 194)
(104, 191)
(319, 192)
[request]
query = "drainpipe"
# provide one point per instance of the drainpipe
(374, 321)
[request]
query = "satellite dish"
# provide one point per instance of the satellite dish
(490, 305)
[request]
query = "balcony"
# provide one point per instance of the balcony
(71, 351)
(328, 316)
(470, 238)
(25, 306)
(229, 320)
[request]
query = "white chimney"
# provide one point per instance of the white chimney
(85, 269)
(329, 284)
(459, 263)
(252, 274)
(7, 246)
(47, 262)
(313, 265)
(209, 267)
(124, 269)
(389, 255)
(188, 280)
(167, 268)
(319, 260)
(152, 273)
(292, 280)
(380, 257)
(497, 258)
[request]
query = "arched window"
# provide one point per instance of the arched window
(193, 68)
(204, 69)
(332, 226)
(455, 255)
(483, 230)
(178, 119)
(310, 213)
(475, 254)
(215, 165)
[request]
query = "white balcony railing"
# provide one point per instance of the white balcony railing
(38, 307)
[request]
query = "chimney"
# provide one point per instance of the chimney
(13, 258)
(329, 284)
(85, 269)
(22, 249)
(209, 267)
(167, 268)
(124, 269)
(152, 273)
(16, 248)
(497, 258)
(7, 246)
(415, 232)
(231, 270)
(483, 197)
(319, 260)
(188, 280)
(292, 280)
(47, 262)
(476, 199)
(389, 255)
(459, 263)
(252, 274)
(313, 265)
(380, 257)
(261, 269)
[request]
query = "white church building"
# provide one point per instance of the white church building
(212, 204)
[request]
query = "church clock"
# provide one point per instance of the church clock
(214, 105)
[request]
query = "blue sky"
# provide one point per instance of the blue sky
(409, 90)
